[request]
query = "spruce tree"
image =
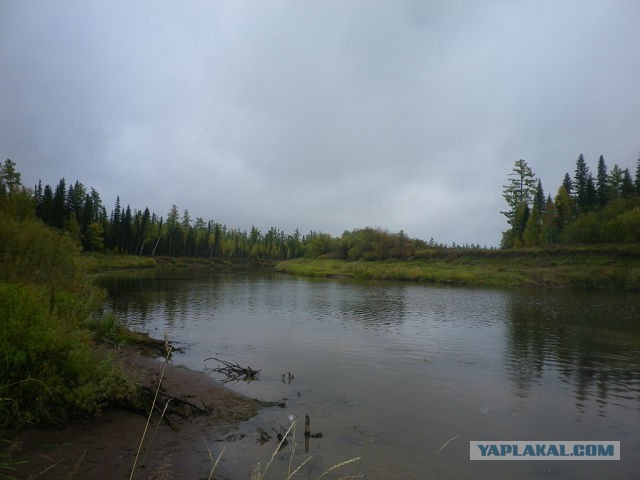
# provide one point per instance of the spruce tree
(539, 201)
(602, 182)
(591, 193)
(636, 184)
(567, 184)
(627, 189)
(58, 211)
(580, 185)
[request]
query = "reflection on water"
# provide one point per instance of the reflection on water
(392, 372)
(587, 341)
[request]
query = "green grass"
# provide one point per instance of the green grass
(577, 268)
(100, 262)
(104, 262)
(50, 372)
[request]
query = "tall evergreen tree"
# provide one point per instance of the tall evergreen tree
(539, 201)
(58, 210)
(45, 208)
(519, 193)
(9, 177)
(602, 187)
(173, 228)
(591, 194)
(567, 183)
(615, 182)
(627, 189)
(116, 226)
(580, 184)
(520, 188)
(126, 230)
(636, 183)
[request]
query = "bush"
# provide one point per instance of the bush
(49, 368)
(49, 371)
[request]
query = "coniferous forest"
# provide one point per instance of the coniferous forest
(80, 212)
(587, 208)
(599, 207)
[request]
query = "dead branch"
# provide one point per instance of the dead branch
(234, 372)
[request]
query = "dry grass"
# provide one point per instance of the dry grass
(151, 410)
(163, 471)
(259, 474)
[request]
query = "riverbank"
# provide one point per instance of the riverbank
(100, 263)
(615, 266)
(181, 443)
(566, 268)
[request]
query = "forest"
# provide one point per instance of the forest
(79, 211)
(586, 209)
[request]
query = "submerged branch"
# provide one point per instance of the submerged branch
(233, 371)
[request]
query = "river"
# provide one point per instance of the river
(405, 375)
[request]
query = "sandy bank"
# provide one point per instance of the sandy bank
(202, 412)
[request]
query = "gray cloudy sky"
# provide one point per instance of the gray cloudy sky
(324, 115)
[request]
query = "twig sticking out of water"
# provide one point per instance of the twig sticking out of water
(234, 372)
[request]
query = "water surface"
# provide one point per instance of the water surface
(405, 375)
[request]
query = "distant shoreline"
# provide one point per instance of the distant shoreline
(601, 267)
(604, 268)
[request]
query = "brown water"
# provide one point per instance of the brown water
(405, 375)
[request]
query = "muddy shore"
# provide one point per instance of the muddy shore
(179, 445)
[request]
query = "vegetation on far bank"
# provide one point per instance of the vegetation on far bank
(586, 209)
(105, 262)
(583, 267)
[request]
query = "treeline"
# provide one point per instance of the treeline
(587, 208)
(80, 212)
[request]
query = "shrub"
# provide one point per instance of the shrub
(49, 371)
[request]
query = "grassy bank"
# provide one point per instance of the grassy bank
(104, 262)
(605, 267)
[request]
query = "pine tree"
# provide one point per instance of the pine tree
(615, 180)
(636, 184)
(9, 177)
(519, 190)
(602, 183)
(580, 184)
(116, 226)
(45, 209)
(567, 184)
(173, 228)
(591, 194)
(627, 189)
(126, 231)
(539, 202)
(58, 211)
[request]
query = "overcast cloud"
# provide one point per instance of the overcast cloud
(324, 115)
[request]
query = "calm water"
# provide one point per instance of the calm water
(405, 375)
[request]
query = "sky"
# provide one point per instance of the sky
(319, 115)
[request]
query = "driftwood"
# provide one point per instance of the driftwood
(234, 372)
(167, 405)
